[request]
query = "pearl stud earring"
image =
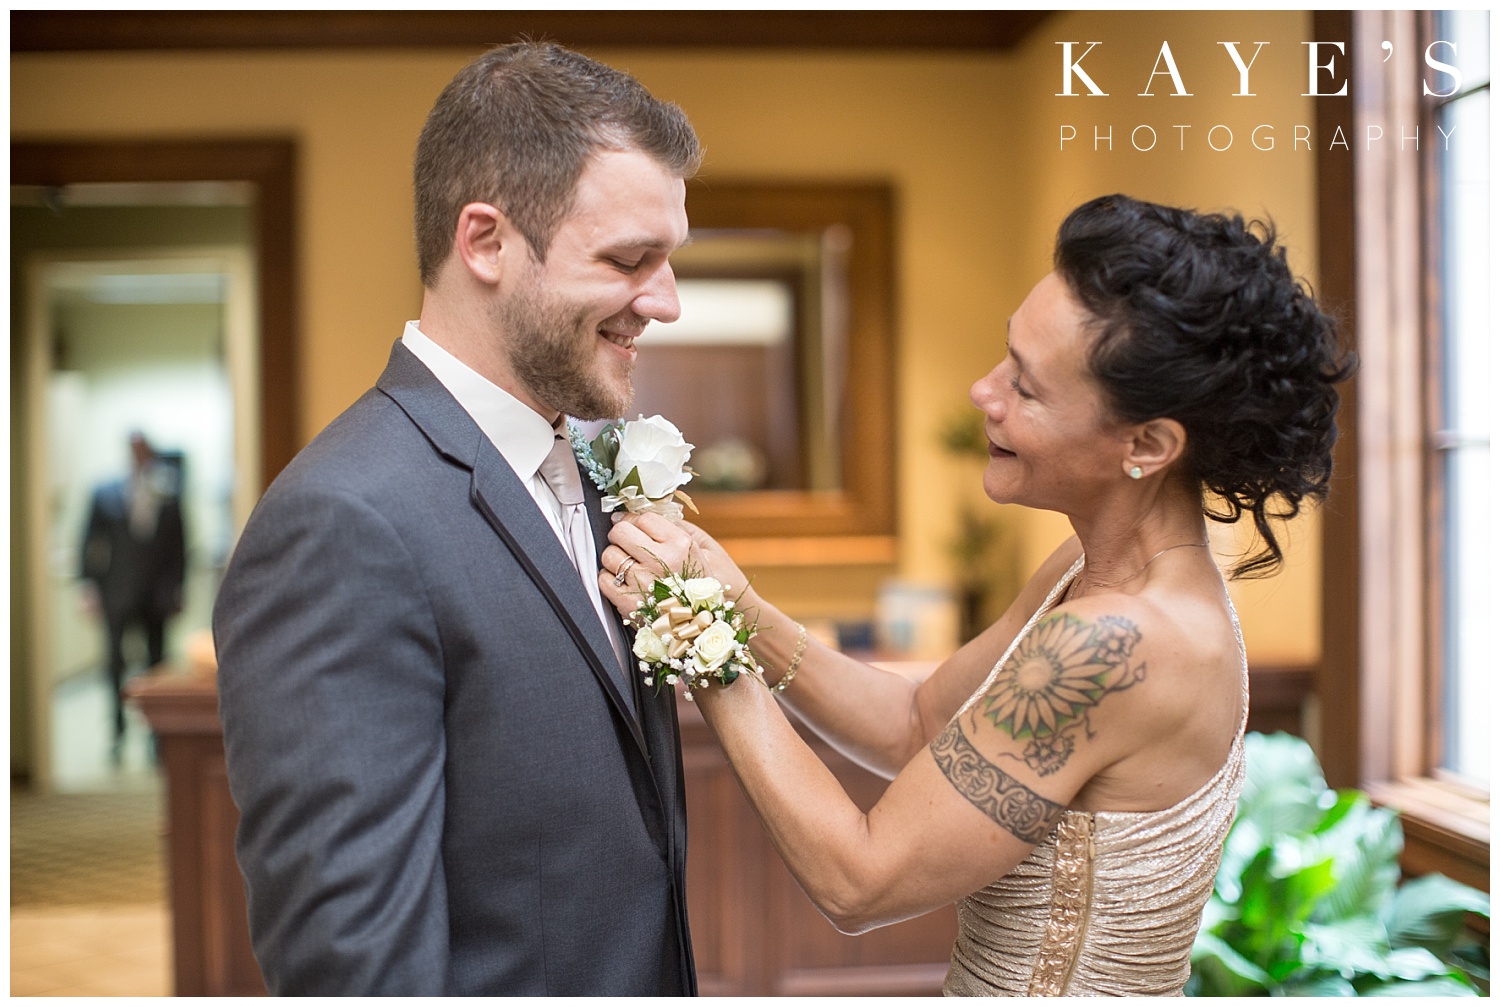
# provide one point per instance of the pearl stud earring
(1136, 472)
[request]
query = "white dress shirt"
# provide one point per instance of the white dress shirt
(523, 439)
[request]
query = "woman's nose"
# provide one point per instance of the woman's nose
(984, 393)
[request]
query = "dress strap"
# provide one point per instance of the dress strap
(1239, 640)
(1047, 605)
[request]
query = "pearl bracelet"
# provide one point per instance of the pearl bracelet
(791, 669)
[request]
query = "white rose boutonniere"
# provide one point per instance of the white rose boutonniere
(640, 465)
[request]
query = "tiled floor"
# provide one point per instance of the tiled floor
(81, 733)
(97, 924)
(90, 951)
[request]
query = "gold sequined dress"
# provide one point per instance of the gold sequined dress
(1109, 903)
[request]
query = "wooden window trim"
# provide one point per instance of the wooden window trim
(1377, 720)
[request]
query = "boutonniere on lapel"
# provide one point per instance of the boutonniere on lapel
(687, 631)
(640, 465)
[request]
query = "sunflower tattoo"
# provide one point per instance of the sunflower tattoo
(1057, 674)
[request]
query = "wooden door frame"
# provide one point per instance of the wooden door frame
(268, 164)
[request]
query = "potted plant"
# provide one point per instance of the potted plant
(1308, 900)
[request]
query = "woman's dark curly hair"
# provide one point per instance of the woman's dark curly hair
(1200, 320)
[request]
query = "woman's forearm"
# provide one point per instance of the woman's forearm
(873, 717)
(818, 831)
(868, 715)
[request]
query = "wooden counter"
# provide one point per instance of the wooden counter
(754, 931)
(210, 932)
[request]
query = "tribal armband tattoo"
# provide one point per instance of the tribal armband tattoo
(1013, 806)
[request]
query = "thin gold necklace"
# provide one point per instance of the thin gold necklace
(1126, 580)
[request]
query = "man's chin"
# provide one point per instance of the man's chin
(600, 405)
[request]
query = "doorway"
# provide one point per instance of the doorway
(158, 343)
(129, 201)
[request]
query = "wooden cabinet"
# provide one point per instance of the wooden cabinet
(754, 931)
(210, 932)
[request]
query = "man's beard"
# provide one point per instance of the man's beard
(554, 355)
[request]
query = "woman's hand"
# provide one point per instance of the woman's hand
(646, 546)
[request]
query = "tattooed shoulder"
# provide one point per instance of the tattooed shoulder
(1057, 674)
(1011, 804)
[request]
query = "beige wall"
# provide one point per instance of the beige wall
(1280, 615)
(968, 140)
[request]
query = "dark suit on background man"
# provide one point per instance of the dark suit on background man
(448, 776)
(136, 563)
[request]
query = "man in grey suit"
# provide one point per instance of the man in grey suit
(448, 780)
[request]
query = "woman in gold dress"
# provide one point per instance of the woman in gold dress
(1069, 775)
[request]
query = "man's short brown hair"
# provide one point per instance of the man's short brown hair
(516, 128)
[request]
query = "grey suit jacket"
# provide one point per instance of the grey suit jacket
(442, 788)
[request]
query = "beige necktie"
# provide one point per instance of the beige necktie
(560, 470)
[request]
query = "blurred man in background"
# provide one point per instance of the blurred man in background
(134, 562)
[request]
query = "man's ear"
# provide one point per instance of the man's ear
(481, 241)
(1154, 446)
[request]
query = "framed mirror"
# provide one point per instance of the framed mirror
(781, 369)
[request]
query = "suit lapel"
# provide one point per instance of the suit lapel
(600, 523)
(496, 491)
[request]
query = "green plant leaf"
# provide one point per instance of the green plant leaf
(606, 445)
(1429, 912)
(1443, 986)
(1306, 887)
(1473, 960)
(1301, 878)
(1359, 947)
(1223, 971)
(1416, 963)
(1283, 784)
(1344, 801)
(1365, 843)
(1256, 898)
(1322, 986)
(1216, 912)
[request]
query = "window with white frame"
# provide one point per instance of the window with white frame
(1459, 446)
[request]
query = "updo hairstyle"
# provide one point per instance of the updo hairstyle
(1199, 319)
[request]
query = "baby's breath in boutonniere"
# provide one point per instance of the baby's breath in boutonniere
(687, 631)
(640, 465)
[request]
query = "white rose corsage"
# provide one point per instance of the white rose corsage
(640, 465)
(687, 631)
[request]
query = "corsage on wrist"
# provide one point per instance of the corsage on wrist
(688, 632)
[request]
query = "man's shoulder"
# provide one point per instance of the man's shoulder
(370, 445)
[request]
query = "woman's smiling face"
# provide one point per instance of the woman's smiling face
(1052, 439)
